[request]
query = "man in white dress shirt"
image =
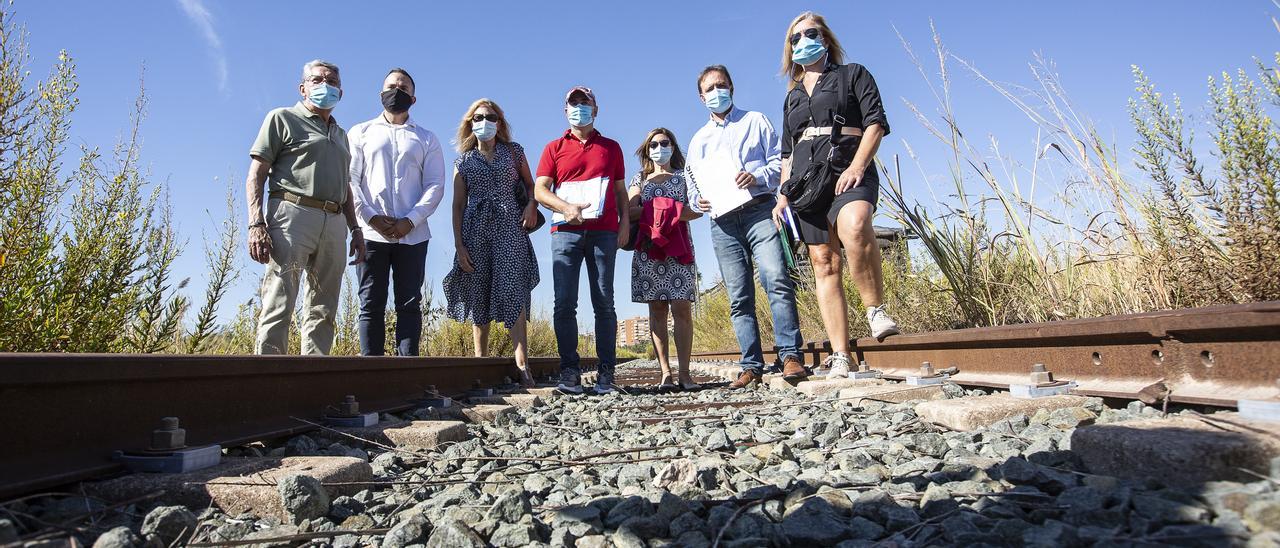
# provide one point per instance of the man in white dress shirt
(397, 180)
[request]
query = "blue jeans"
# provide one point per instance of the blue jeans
(569, 249)
(406, 265)
(742, 238)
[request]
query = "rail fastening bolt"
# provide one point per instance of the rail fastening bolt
(349, 406)
(926, 369)
(169, 436)
(1040, 374)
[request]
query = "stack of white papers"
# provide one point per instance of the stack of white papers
(591, 192)
(716, 177)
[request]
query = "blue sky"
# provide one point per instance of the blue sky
(213, 69)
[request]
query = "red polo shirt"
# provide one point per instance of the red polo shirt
(568, 159)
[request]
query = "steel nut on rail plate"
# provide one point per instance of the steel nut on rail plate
(928, 376)
(865, 372)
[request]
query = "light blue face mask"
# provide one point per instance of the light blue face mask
(660, 155)
(807, 51)
(324, 96)
(484, 129)
(718, 100)
(581, 115)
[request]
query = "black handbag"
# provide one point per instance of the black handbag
(522, 198)
(814, 190)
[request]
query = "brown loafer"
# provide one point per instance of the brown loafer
(745, 380)
(792, 369)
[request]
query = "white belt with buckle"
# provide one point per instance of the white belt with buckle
(811, 132)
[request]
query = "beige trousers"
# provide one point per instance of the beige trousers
(303, 240)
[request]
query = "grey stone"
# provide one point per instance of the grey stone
(510, 507)
(169, 525)
(1051, 534)
(118, 537)
(718, 441)
(301, 446)
(630, 507)
(454, 534)
(521, 533)
(864, 529)
(814, 522)
(645, 527)
(693, 539)
(538, 485)
(410, 530)
(929, 443)
(686, 523)
(579, 520)
(303, 497)
(344, 507)
(593, 541)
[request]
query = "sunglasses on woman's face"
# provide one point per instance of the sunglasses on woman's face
(811, 34)
(655, 144)
(481, 117)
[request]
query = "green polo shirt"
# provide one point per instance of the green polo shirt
(307, 156)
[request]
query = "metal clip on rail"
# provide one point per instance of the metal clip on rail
(168, 452)
(1042, 385)
(349, 416)
(433, 398)
(929, 376)
(478, 391)
(864, 372)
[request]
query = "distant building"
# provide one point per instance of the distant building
(632, 331)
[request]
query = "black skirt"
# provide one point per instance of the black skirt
(815, 227)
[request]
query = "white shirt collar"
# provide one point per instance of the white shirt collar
(380, 119)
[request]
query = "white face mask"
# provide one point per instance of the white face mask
(660, 155)
(484, 129)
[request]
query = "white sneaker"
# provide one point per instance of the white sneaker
(573, 389)
(881, 324)
(838, 366)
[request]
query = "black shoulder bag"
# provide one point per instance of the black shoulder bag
(815, 188)
(522, 199)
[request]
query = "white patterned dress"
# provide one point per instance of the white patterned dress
(506, 269)
(666, 280)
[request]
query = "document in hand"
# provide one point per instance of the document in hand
(591, 192)
(715, 177)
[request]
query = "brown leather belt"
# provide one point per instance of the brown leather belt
(331, 207)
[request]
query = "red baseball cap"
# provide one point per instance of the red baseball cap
(583, 90)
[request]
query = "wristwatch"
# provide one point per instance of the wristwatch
(262, 224)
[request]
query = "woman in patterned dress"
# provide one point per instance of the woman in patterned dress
(495, 269)
(668, 285)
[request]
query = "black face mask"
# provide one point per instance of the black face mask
(396, 101)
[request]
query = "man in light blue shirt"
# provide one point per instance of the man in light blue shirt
(746, 235)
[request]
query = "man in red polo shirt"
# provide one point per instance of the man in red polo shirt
(580, 178)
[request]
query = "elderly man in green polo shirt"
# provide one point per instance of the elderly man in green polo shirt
(301, 155)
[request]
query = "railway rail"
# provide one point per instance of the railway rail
(68, 413)
(1212, 356)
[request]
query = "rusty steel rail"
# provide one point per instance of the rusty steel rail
(64, 414)
(1207, 356)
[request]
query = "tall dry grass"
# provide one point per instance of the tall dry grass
(1070, 231)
